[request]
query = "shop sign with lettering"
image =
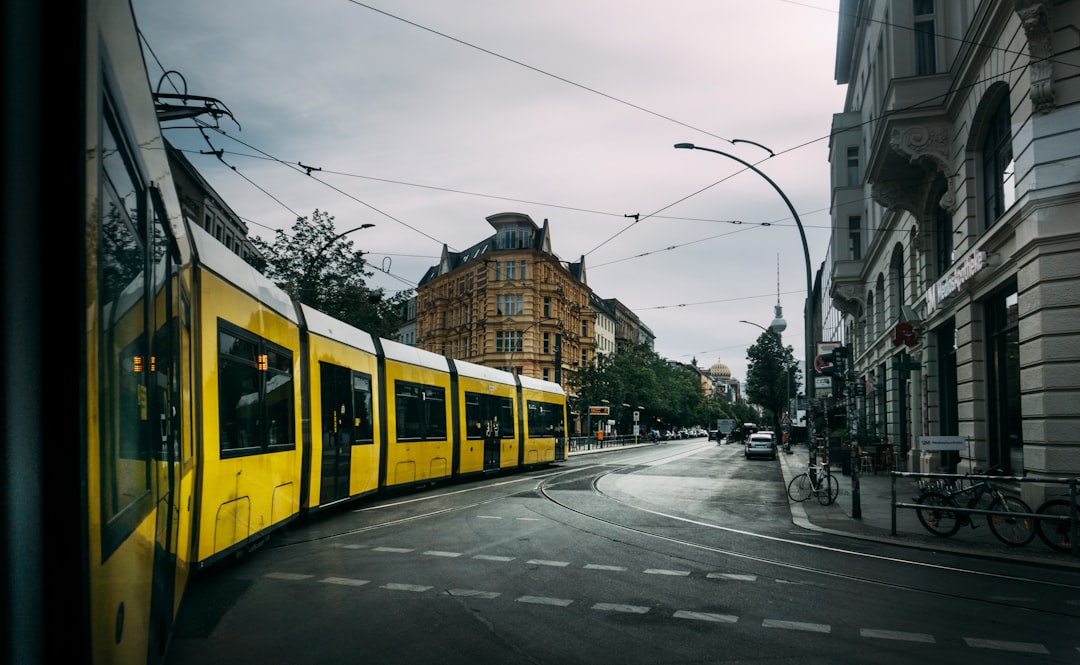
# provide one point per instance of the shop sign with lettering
(950, 284)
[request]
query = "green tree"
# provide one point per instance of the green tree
(317, 265)
(771, 376)
(637, 379)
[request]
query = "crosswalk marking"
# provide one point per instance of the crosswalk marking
(472, 593)
(1001, 645)
(705, 616)
(732, 576)
(618, 607)
(415, 588)
(289, 576)
(345, 581)
(867, 633)
(796, 625)
(544, 600)
(896, 635)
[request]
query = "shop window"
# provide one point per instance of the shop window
(1003, 379)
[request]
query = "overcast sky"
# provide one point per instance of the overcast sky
(424, 117)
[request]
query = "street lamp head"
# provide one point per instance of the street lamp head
(689, 146)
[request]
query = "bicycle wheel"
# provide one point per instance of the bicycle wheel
(829, 490)
(1055, 533)
(799, 488)
(937, 518)
(1013, 530)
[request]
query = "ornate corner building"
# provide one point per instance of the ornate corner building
(509, 302)
(954, 265)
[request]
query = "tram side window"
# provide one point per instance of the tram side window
(363, 431)
(545, 419)
(474, 417)
(420, 411)
(480, 409)
(122, 291)
(506, 417)
(255, 394)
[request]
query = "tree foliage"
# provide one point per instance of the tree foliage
(771, 376)
(317, 265)
(667, 396)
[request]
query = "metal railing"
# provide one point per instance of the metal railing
(928, 481)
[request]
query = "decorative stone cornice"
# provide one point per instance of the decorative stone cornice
(1036, 19)
(923, 142)
(847, 298)
(923, 146)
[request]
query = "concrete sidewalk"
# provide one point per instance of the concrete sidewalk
(870, 515)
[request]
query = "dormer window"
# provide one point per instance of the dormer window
(513, 236)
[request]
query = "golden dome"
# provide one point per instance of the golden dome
(720, 371)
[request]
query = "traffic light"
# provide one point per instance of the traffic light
(834, 363)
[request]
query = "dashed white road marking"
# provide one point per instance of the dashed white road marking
(355, 547)
(661, 571)
(705, 616)
(441, 553)
(527, 519)
(395, 550)
(345, 581)
(492, 557)
(472, 593)
(617, 607)
(415, 588)
(732, 576)
(599, 566)
(488, 517)
(544, 600)
(289, 576)
(796, 625)
(542, 562)
(896, 635)
(1001, 645)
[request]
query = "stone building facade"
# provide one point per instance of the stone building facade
(509, 302)
(954, 265)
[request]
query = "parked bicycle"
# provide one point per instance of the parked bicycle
(820, 483)
(1008, 517)
(1055, 527)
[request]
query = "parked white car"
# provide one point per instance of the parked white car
(760, 444)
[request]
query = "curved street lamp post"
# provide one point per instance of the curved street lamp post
(809, 309)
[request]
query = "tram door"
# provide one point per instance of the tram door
(492, 435)
(337, 419)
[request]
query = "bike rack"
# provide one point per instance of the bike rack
(1073, 518)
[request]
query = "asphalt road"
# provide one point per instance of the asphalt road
(676, 553)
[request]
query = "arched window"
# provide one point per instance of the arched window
(868, 327)
(879, 305)
(996, 161)
(896, 269)
(943, 229)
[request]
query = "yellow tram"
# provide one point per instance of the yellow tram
(215, 408)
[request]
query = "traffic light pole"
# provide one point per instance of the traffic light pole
(842, 369)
